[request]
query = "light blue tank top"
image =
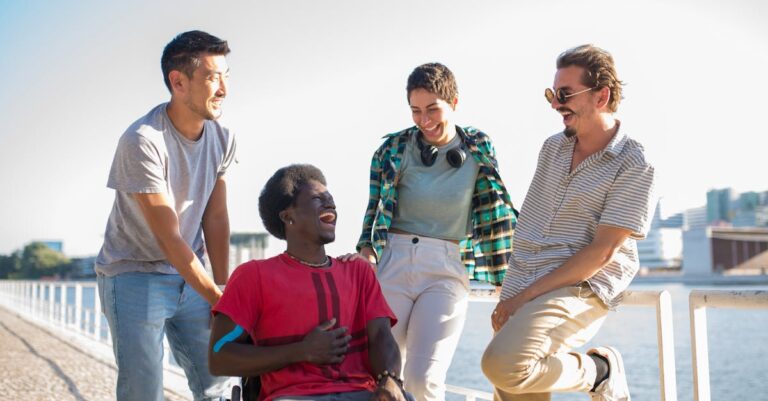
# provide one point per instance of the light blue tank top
(435, 201)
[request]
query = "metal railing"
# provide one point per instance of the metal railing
(659, 300)
(60, 304)
(49, 302)
(699, 301)
(662, 302)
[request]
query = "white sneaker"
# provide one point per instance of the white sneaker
(613, 388)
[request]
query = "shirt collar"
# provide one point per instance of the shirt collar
(616, 144)
(613, 148)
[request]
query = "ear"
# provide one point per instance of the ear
(454, 102)
(286, 216)
(604, 98)
(178, 81)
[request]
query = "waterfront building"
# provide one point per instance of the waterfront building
(739, 248)
(728, 233)
(57, 246)
(246, 246)
(719, 205)
(662, 247)
(83, 267)
(696, 246)
(695, 218)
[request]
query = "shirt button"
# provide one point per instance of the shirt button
(415, 240)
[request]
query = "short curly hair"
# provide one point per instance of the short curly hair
(434, 78)
(281, 191)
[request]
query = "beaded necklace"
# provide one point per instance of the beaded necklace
(324, 263)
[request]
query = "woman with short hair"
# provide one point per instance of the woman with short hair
(438, 215)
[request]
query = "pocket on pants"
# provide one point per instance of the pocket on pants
(386, 256)
(582, 291)
(461, 271)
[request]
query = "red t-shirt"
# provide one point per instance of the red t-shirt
(279, 300)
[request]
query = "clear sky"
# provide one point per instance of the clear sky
(321, 81)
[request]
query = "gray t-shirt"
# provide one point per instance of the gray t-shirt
(435, 201)
(152, 157)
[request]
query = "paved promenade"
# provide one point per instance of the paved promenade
(36, 365)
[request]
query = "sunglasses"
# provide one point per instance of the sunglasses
(561, 95)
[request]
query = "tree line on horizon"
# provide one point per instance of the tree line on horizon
(36, 260)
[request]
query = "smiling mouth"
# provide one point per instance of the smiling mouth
(433, 130)
(567, 114)
(328, 218)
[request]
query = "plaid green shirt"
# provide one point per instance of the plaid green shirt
(486, 251)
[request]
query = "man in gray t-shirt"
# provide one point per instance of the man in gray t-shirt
(169, 210)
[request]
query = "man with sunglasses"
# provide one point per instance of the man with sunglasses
(575, 244)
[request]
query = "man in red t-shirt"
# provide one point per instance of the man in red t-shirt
(320, 326)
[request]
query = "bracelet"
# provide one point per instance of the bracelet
(383, 375)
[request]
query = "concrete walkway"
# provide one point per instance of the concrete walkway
(37, 365)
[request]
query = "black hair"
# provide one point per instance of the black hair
(281, 191)
(434, 78)
(183, 52)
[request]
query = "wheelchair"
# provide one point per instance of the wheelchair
(248, 390)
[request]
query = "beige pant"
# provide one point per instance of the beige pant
(426, 286)
(530, 357)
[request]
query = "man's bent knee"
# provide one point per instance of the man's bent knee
(505, 371)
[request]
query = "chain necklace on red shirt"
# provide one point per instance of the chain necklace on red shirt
(324, 263)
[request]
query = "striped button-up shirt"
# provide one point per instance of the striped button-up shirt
(563, 208)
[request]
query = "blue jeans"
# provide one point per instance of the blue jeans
(140, 309)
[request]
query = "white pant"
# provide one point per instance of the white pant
(426, 286)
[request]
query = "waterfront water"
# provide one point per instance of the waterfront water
(738, 348)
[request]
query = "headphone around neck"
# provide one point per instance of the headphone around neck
(455, 156)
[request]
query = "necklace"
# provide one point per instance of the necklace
(324, 263)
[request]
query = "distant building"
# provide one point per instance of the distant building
(83, 267)
(57, 246)
(719, 205)
(675, 221)
(733, 248)
(696, 246)
(697, 251)
(695, 218)
(721, 249)
(663, 246)
(242, 248)
(749, 209)
(724, 234)
(246, 246)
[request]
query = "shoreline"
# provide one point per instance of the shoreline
(713, 279)
(480, 291)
